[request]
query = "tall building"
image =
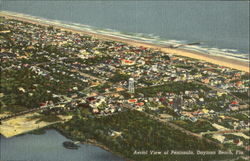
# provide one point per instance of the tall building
(178, 103)
(131, 85)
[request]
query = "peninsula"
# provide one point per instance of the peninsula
(140, 101)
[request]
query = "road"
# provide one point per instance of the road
(90, 76)
(225, 131)
(31, 111)
(23, 112)
(172, 125)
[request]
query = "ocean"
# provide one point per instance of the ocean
(222, 27)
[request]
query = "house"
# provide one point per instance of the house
(241, 107)
(132, 100)
(95, 110)
(238, 142)
(127, 62)
(239, 84)
(115, 133)
(205, 111)
(140, 104)
(247, 148)
(21, 89)
(119, 89)
(166, 116)
(206, 80)
(193, 119)
(233, 106)
(5, 31)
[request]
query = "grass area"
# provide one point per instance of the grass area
(138, 132)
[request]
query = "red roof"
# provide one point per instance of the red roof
(90, 98)
(42, 104)
(236, 141)
(140, 104)
(162, 99)
(128, 61)
(234, 103)
(132, 100)
(143, 48)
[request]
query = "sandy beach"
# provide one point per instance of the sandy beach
(219, 60)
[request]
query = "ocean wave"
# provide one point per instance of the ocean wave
(143, 37)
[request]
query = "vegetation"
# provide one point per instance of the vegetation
(247, 133)
(171, 87)
(240, 116)
(38, 132)
(242, 95)
(139, 132)
(97, 60)
(196, 127)
(183, 66)
(18, 87)
(101, 88)
(233, 137)
(117, 77)
(45, 117)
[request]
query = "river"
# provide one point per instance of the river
(48, 147)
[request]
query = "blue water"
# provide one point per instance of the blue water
(221, 26)
(48, 147)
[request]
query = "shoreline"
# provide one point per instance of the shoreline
(90, 142)
(214, 59)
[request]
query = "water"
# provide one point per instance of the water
(48, 147)
(221, 26)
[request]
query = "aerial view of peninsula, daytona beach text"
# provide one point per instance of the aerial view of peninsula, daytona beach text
(124, 80)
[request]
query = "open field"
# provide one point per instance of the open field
(23, 124)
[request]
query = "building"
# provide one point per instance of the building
(127, 62)
(177, 103)
(131, 87)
